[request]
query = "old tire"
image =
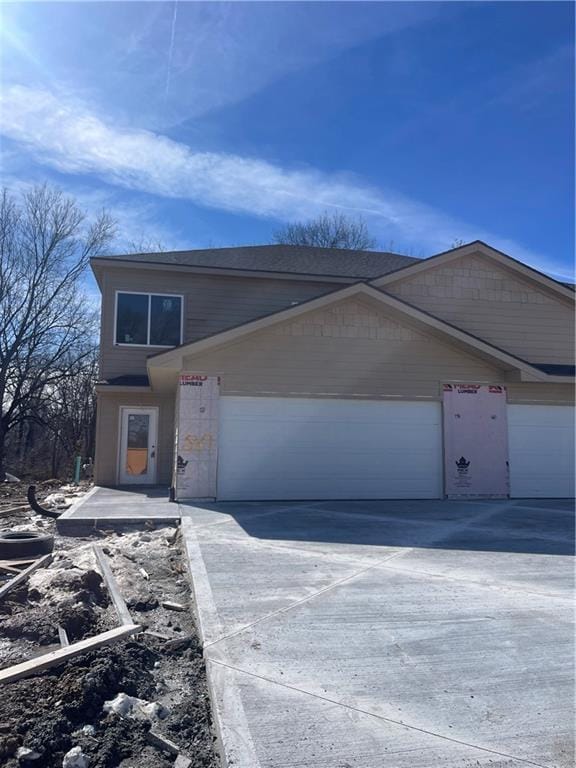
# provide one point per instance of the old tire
(24, 544)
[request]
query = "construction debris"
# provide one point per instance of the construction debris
(27, 668)
(172, 606)
(115, 594)
(25, 574)
(18, 544)
(7, 510)
(38, 508)
(56, 716)
(157, 740)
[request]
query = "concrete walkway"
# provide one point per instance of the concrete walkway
(113, 508)
(387, 634)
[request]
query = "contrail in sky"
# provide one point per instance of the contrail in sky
(170, 50)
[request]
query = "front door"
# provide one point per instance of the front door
(138, 441)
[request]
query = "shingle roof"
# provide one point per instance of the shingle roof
(294, 259)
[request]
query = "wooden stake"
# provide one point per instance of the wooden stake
(31, 667)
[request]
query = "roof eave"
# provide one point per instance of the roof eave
(102, 388)
(99, 262)
(173, 359)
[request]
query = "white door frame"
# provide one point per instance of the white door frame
(151, 476)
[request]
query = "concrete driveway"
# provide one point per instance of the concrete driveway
(393, 633)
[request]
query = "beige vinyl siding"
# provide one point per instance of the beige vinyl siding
(211, 304)
(107, 433)
(540, 394)
(492, 302)
(351, 349)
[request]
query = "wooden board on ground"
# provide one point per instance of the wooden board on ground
(9, 569)
(4, 512)
(17, 562)
(115, 594)
(21, 577)
(31, 667)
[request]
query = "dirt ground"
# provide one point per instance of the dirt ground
(43, 717)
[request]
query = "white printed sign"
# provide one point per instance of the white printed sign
(475, 441)
(196, 436)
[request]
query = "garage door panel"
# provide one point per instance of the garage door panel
(274, 448)
(541, 446)
(332, 485)
(371, 442)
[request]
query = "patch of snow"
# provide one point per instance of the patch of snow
(130, 706)
(75, 758)
(54, 500)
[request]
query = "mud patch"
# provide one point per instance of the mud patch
(62, 708)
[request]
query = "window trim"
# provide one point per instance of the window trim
(149, 294)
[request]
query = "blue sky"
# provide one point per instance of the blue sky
(211, 124)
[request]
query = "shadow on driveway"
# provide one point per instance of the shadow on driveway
(528, 526)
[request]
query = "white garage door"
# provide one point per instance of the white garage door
(541, 449)
(285, 448)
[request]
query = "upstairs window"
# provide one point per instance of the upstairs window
(148, 319)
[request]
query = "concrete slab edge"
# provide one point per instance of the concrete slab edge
(233, 736)
(77, 504)
(78, 526)
(66, 523)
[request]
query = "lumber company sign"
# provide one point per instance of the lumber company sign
(196, 436)
(475, 441)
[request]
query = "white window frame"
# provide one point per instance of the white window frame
(136, 409)
(149, 294)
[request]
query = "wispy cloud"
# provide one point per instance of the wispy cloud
(191, 58)
(65, 135)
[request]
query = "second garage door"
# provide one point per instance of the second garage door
(293, 448)
(541, 445)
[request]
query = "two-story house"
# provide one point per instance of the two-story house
(286, 372)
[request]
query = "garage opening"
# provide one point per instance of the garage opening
(541, 446)
(298, 448)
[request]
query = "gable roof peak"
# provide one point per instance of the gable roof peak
(477, 246)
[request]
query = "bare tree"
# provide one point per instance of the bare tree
(47, 321)
(61, 425)
(145, 245)
(328, 231)
(71, 413)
